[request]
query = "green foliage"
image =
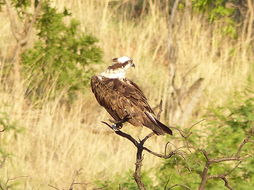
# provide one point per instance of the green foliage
(125, 181)
(10, 184)
(1, 4)
(21, 3)
(217, 10)
(224, 11)
(61, 59)
(21, 7)
(226, 128)
(7, 126)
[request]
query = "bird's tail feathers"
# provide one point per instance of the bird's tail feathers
(161, 128)
(164, 128)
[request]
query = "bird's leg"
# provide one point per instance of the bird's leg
(119, 124)
(116, 124)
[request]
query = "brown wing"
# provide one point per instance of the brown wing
(134, 93)
(124, 97)
(107, 98)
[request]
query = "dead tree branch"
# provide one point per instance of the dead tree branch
(21, 31)
(140, 148)
(210, 161)
(139, 144)
(170, 31)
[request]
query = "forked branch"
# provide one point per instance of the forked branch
(140, 148)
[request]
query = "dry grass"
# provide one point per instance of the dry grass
(57, 142)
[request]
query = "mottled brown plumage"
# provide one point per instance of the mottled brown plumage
(121, 97)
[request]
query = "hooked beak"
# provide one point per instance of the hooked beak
(133, 65)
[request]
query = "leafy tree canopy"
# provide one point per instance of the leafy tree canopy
(62, 56)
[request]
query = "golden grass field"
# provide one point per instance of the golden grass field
(57, 142)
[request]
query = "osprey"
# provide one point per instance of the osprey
(122, 97)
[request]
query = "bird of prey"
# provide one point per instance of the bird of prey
(122, 97)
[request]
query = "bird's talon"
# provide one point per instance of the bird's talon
(114, 127)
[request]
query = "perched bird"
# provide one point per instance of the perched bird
(122, 97)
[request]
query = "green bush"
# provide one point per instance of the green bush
(227, 128)
(61, 58)
(217, 10)
(124, 182)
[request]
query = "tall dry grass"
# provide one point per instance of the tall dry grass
(57, 142)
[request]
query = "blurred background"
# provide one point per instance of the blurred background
(191, 56)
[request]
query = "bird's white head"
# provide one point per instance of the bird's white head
(119, 67)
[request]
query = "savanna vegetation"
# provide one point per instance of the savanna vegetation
(194, 61)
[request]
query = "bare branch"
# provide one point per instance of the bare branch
(140, 147)
(160, 110)
(2, 162)
(170, 29)
(13, 23)
(245, 141)
(53, 187)
(218, 160)
(222, 177)
(236, 166)
(205, 154)
(205, 177)
(141, 143)
(159, 106)
(29, 24)
(137, 173)
(77, 173)
(146, 138)
(193, 125)
(166, 146)
(6, 184)
(122, 134)
(161, 155)
(179, 185)
(182, 133)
